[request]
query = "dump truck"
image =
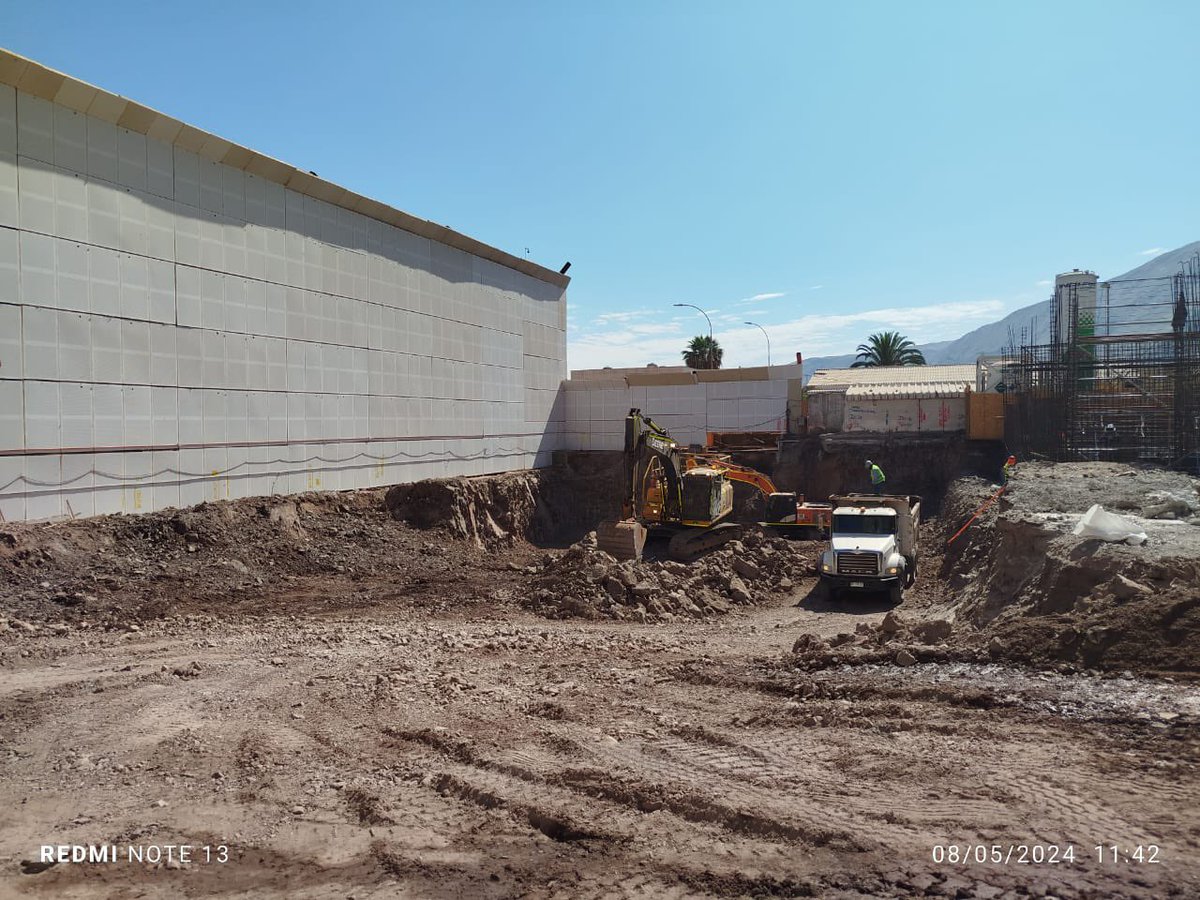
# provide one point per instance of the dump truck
(872, 545)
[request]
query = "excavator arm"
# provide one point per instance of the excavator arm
(734, 472)
(646, 444)
(782, 508)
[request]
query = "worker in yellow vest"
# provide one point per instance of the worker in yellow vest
(1010, 468)
(877, 477)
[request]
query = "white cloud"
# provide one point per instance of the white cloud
(1045, 282)
(762, 298)
(654, 328)
(627, 316)
(1153, 251)
(813, 335)
(816, 287)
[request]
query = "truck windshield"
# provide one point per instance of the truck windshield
(864, 524)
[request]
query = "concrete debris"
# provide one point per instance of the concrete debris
(904, 658)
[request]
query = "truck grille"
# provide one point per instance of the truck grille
(858, 563)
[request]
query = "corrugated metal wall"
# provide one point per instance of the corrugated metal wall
(173, 329)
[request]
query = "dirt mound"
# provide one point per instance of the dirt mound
(310, 551)
(549, 507)
(1021, 575)
(488, 510)
(590, 583)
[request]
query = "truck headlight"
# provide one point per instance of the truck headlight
(892, 570)
(826, 567)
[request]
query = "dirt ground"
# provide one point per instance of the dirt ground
(354, 706)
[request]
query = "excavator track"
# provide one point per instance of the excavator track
(622, 540)
(690, 545)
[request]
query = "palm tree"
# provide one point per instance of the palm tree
(888, 348)
(703, 353)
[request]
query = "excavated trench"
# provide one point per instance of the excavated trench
(561, 506)
(1046, 594)
(1015, 576)
(557, 506)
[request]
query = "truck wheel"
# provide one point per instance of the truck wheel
(896, 593)
(832, 593)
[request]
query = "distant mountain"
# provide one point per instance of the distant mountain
(1139, 296)
(1143, 295)
(812, 364)
(994, 337)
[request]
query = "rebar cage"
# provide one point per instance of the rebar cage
(1119, 380)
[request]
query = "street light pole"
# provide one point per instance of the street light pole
(767, 336)
(709, 321)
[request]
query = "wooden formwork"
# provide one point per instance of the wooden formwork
(985, 416)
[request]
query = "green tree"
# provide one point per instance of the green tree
(888, 348)
(703, 353)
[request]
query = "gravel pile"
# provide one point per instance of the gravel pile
(589, 583)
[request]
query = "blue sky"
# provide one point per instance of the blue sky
(826, 170)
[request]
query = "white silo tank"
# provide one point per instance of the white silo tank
(1079, 284)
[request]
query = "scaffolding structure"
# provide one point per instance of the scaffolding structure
(1121, 382)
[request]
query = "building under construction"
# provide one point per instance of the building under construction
(1119, 379)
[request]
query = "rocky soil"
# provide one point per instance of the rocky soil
(1022, 576)
(588, 582)
(359, 699)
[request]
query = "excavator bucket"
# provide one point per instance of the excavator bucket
(623, 540)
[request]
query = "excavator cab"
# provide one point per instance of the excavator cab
(781, 508)
(707, 496)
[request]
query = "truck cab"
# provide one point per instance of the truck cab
(872, 545)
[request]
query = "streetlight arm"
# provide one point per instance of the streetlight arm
(767, 336)
(702, 312)
(709, 354)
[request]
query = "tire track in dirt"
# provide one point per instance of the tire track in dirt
(669, 788)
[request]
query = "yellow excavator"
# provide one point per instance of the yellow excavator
(691, 494)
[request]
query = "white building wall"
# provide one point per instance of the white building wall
(173, 330)
(595, 408)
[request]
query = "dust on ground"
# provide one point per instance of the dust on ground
(356, 704)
